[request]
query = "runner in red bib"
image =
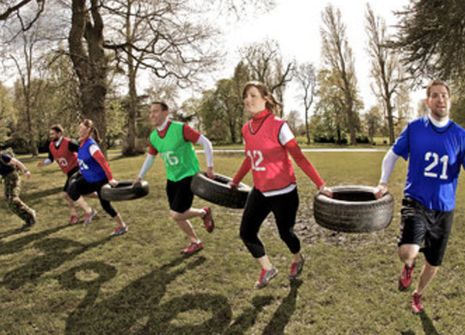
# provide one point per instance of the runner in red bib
(268, 143)
(63, 150)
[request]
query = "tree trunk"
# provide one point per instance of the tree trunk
(232, 130)
(307, 127)
(390, 118)
(89, 62)
(130, 145)
(30, 128)
(339, 135)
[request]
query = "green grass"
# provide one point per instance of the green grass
(58, 279)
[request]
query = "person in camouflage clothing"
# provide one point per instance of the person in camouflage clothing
(9, 167)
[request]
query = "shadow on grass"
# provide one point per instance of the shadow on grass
(283, 314)
(38, 195)
(427, 324)
(9, 233)
(248, 317)
(18, 244)
(56, 252)
(136, 308)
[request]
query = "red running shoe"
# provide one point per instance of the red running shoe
(265, 277)
(120, 230)
(73, 219)
(405, 279)
(296, 268)
(417, 306)
(192, 248)
(208, 220)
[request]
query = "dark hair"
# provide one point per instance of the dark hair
(57, 128)
(436, 82)
(163, 105)
(271, 103)
(93, 131)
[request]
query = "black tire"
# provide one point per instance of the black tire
(353, 209)
(218, 192)
(125, 191)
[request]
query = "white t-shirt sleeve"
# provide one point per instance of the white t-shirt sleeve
(93, 149)
(146, 166)
(389, 162)
(207, 148)
(285, 134)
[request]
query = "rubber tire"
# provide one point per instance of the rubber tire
(124, 191)
(353, 209)
(218, 192)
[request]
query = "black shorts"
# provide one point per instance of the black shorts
(71, 174)
(427, 228)
(179, 193)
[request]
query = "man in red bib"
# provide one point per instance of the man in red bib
(63, 150)
(268, 143)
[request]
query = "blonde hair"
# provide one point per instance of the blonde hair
(271, 103)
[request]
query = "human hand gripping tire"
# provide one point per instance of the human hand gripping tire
(232, 185)
(326, 191)
(381, 190)
(113, 182)
(210, 173)
(137, 182)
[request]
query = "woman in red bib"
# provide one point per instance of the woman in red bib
(268, 143)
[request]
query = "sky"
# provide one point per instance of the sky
(296, 24)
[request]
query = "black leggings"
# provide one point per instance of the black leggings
(79, 186)
(257, 208)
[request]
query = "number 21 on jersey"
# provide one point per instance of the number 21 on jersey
(435, 160)
(256, 157)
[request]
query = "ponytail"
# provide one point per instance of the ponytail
(93, 131)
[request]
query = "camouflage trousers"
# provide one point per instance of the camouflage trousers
(12, 189)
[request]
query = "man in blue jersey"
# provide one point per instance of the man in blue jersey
(435, 149)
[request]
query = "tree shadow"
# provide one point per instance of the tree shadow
(136, 308)
(11, 232)
(283, 314)
(428, 325)
(38, 195)
(215, 305)
(248, 317)
(57, 251)
(18, 244)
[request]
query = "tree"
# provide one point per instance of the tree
(404, 111)
(337, 55)
(87, 54)
(7, 8)
(27, 63)
(86, 44)
(385, 67)
(7, 115)
(294, 121)
(329, 108)
(306, 79)
(163, 37)
(373, 121)
(265, 64)
(431, 37)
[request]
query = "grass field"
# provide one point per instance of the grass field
(60, 279)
